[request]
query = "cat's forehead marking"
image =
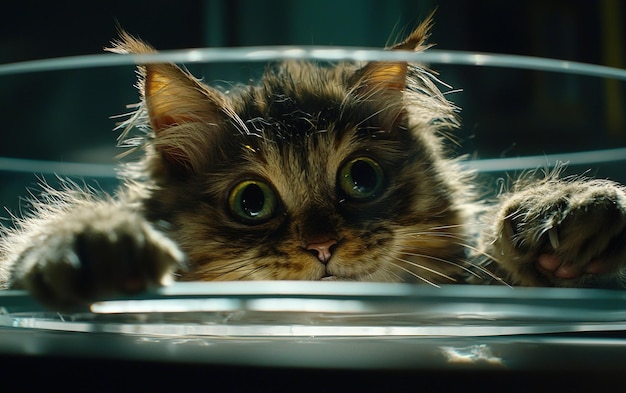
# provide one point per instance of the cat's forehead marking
(304, 121)
(302, 173)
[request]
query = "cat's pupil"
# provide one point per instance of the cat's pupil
(361, 179)
(252, 200)
(364, 177)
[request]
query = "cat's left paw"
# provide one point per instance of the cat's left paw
(94, 254)
(567, 234)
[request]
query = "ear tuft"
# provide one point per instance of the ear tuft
(127, 44)
(416, 41)
(386, 81)
(180, 108)
(390, 77)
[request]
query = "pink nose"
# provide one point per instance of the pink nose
(322, 249)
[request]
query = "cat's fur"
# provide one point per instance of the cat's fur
(316, 172)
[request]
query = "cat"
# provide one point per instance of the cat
(315, 172)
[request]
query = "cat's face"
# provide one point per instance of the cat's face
(314, 173)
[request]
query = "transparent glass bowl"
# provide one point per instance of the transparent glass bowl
(333, 325)
(330, 324)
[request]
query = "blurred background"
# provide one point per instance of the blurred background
(66, 116)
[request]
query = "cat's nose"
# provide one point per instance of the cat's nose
(323, 249)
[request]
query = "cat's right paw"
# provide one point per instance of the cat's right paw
(566, 234)
(95, 258)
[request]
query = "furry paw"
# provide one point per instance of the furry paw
(94, 257)
(568, 234)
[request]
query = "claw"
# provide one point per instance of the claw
(553, 235)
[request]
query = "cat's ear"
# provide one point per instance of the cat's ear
(388, 79)
(180, 108)
(390, 76)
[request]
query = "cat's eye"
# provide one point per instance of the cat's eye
(361, 178)
(252, 201)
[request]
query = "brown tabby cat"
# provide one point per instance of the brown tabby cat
(315, 173)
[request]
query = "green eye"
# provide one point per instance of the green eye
(361, 178)
(252, 201)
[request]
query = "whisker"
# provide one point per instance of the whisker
(417, 276)
(446, 261)
(417, 265)
(482, 268)
(448, 226)
(473, 265)
(438, 234)
(455, 226)
(373, 115)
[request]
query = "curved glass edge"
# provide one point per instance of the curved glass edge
(321, 53)
(85, 169)
(345, 309)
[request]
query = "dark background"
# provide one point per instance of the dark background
(66, 115)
